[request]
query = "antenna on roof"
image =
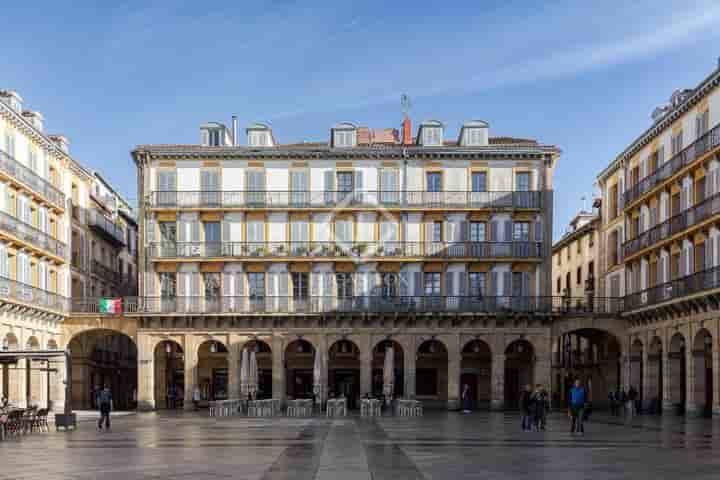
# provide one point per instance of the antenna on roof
(405, 104)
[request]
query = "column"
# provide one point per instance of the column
(543, 370)
(647, 381)
(692, 361)
(146, 374)
(453, 373)
(3, 374)
(715, 371)
(667, 404)
(410, 362)
(58, 384)
(191, 366)
(18, 383)
(235, 347)
(278, 368)
(497, 401)
(365, 364)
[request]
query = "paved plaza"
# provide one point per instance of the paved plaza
(445, 446)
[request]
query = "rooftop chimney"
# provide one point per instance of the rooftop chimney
(12, 99)
(35, 118)
(61, 142)
(407, 131)
(235, 130)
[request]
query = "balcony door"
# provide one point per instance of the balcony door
(166, 188)
(210, 188)
(300, 188)
(212, 239)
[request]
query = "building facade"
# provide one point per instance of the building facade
(373, 238)
(42, 189)
(574, 257)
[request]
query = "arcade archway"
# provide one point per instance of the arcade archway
(519, 370)
(344, 371)
(212, 371)
(703, 372)
(677, 371)
(655, 377)
(263, 356)
(475, 372)
(378, 364)
(431, 373)
(170, 391)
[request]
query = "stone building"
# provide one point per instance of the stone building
(574, 257)
(372, 238)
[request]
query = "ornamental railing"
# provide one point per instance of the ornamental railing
(105, 272)
(22, 292)
(372, 304)
(106, 226)
(324, 199)
(680, 287)
(675, 224)
(684, 157)
(25, 175)
(339, 249)
(32, 235)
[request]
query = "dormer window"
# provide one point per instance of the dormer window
(431, 134)
(259, 135)
(474, 134)
(215, 135)
(344, 135)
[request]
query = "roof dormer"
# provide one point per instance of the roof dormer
(12, 99)
(474, 134)
(214, 134)
(259, 135)
(344, 135)
(430, 134)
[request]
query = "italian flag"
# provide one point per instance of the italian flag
(111, 305)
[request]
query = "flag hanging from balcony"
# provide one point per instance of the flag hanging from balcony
(111, 305)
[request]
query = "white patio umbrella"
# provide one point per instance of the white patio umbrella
(244, 373)
(253, 374)
(389, 373)
(317, 376)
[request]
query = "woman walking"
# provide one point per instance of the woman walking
(466, 400)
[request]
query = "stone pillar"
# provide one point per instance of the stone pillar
(191, 365)
(691, 361)
(58, 380)
(18, 383)
(646, 392)
(667, 403)
(715, 371)
(278, 368)
(453, 372)
(543, 370)
(3, 376)
(146, 374)
(235, 348)
(365, 364)
(497, 401)
(410, 363)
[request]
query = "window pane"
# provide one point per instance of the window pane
(433, 182)
(522, 181)
(479, 180)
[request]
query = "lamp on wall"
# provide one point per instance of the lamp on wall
(168, 348)
(213, 347)
(708, 343)
(476, 346)
(432, 348)
(520, 348)
(5, 344)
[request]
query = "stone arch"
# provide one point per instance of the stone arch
(344, 370)
(476, 373)
(519, 369)
(169, 381)
(263, 357)
(52, 344)
(11, 341)
(74, 326)
(378, 364)
(677, 371)
(703, 372)
(431, 373)
(212, 372)
(32, 343)
(637, 367)
(654, 389)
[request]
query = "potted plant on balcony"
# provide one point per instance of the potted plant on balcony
(301, 251)
(280, 249)
(359, 249)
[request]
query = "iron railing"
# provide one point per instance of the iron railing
(698, 148)
(675, 224)
(372, 304)
(346, 249)
(30, 234)
(323, 199)
(22, 292)
(680, 287)
(25, 175)
(105, 225)
(105, 272)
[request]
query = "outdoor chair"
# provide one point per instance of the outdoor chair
(292, 408)
(40, 423)
(28, 420)
(330, 409)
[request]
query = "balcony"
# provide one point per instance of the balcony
(680, 160)
(21, 292)
(369, 304)
(32, 235)
(104, 272)
(333, 199)
(108, 229)
(675, 224)
(23, 174)
(698, 282)
(346, 250)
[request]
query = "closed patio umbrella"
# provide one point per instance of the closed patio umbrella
(244, 373)
(389, 373)
(253, 374)
(317, 376)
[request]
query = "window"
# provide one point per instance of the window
(212, 239)
(212, 285)
(389, 186)
(477, 231)
(258, 138)
(300, 285)
(677, 142)
(389, 285)
(702, 123)
(256, 284)
(214, 138)
(578, 276)
(568, 252)
(473, 136)
(344, 285)
(434, 181)
(168, 284)
(437, 232)
(432, 283)
(432, 136)
(522, 181)
(343, 233)
(345, 182)
(479, 182)
(477, 284)
(613, 203)
(559, 285)
(591, 239)
(168, 232)
(344, 138)
(521, 231)
(559, 258)
(210, 187)
(579, 245)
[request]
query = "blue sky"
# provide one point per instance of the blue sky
(581, 75)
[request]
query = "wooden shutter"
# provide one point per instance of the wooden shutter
(227, 284)
(507, 287)
(494, 284)
(329, 181)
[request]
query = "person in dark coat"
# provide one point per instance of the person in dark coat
(526, 407)
(541, 404)
(466, 400)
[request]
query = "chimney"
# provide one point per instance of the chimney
(235, 130)
(61, 142)
(407, 131)
(12, 99)
(35, 118)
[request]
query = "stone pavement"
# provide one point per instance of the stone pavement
(446, 446)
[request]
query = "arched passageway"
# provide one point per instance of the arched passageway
(263, 356)
(103, 357)
(677, 372)
(299, 362)
(703, 372)
(654, 390)
(212, 371)
(378, 364)
(344, 371)
(636, 369)
(475, 372)
(170, 391)
(431, 373)
(519, 371)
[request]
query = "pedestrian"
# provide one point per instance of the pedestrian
(620, 398)
(613, 403)
(196, 398)
(171, 397)
(578, 397)
(630, 406)
(466, 400)
(104, 402)
(525, 406)
(541, 403)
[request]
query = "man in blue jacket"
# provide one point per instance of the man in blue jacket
(578, 397)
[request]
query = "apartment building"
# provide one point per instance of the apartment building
(42, 192)
(574, 257)
(372, 238)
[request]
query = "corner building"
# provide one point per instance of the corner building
(373, 238)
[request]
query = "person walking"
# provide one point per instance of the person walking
(525, 407)
(630, 405)
(466, 400)
(104, 402)
(541, 403)
(613, 403)
(578, 397)
(196, 398)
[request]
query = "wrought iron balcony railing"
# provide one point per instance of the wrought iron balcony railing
(25, 175)
(344, 250)
(108, 228)
(675, 224)
(680, 287)
(105, 272)
(32, 235)
(372, 304)
(21, 292)
(695, 150)
(324, 199)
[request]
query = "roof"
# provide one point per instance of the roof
(571, 236)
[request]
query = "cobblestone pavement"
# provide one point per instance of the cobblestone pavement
(446, 446)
